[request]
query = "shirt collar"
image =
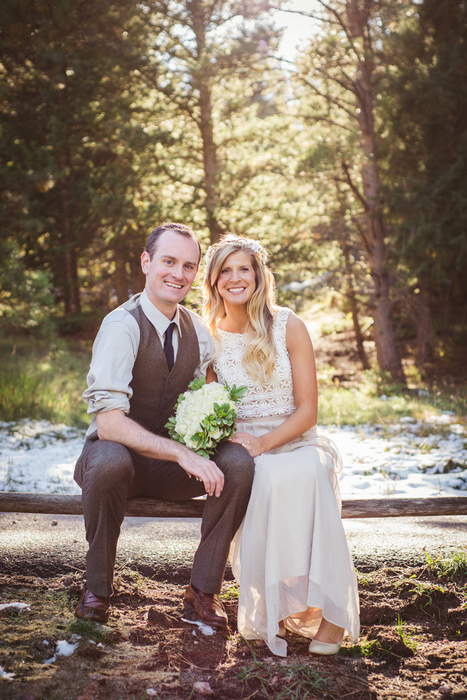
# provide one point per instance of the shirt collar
(157, 318)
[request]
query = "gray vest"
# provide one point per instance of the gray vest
(155, 391)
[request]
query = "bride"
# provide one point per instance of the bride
(290, 556)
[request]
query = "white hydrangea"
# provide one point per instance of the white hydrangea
(205, 415)
(196, 406)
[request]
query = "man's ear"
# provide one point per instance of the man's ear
(145, 260)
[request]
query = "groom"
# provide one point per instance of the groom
(145, 354)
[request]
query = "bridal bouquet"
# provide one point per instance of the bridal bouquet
(205, 415)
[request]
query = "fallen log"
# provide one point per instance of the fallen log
(58, 504)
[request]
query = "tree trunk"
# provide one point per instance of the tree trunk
(211, 166)
(387, 351)
(424, 327)
(344, 238)
(120, 276)
(210, 161)
(69, 272)
(354, 305)
(71, 286)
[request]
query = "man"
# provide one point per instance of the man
(132, 389)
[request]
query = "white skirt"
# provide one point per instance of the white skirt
(290, 555)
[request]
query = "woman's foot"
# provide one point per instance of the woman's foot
(323, 648)
(282, 631)
(328, 639)
(329, 633)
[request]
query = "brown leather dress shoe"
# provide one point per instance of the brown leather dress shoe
(92, 607)
(208, 608)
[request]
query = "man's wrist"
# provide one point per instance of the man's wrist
(177, 450)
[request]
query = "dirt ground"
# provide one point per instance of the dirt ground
(413, 644)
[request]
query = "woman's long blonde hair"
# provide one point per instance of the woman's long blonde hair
(260, 352)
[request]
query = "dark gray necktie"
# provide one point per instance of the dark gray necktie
(168, 347)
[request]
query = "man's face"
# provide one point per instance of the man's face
(171, 272)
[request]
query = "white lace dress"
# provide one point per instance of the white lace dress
(290, 555)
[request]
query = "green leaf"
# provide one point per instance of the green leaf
(236, 392)
(197, 384)
(205, 453)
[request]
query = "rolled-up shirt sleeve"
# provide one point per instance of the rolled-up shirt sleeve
(111, 370)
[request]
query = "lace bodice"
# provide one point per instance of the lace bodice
(275, 398)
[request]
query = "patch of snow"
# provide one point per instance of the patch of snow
(64, 648)
(203, 628)
(4, 674)
(408, 458)
(16, 606)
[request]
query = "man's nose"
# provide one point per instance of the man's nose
(177, 271)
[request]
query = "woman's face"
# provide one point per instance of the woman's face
(237, 282)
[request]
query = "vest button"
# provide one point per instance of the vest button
(167, 396)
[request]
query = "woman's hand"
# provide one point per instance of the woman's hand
(251, 444)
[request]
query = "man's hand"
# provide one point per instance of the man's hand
(117, 427)
(204, 470)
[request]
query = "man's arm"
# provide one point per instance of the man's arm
(115, 426)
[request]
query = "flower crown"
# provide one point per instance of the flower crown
(245, 243)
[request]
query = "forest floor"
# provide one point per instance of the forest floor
(413, 644)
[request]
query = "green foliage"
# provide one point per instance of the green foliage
(26, 301)
(67, 133)
(374, 401)
(91, 630)
(452, 567)
(405, 634)
(424, 593)
(230, 592)
(425, 105)
(364, 649)
(116, 116)
(43, 380)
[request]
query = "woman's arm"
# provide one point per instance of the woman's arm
(211, 376)
(305, 388)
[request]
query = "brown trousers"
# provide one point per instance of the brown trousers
(109, 474)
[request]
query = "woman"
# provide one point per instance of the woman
(290, 555)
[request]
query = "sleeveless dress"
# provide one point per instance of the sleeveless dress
(290, 555)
